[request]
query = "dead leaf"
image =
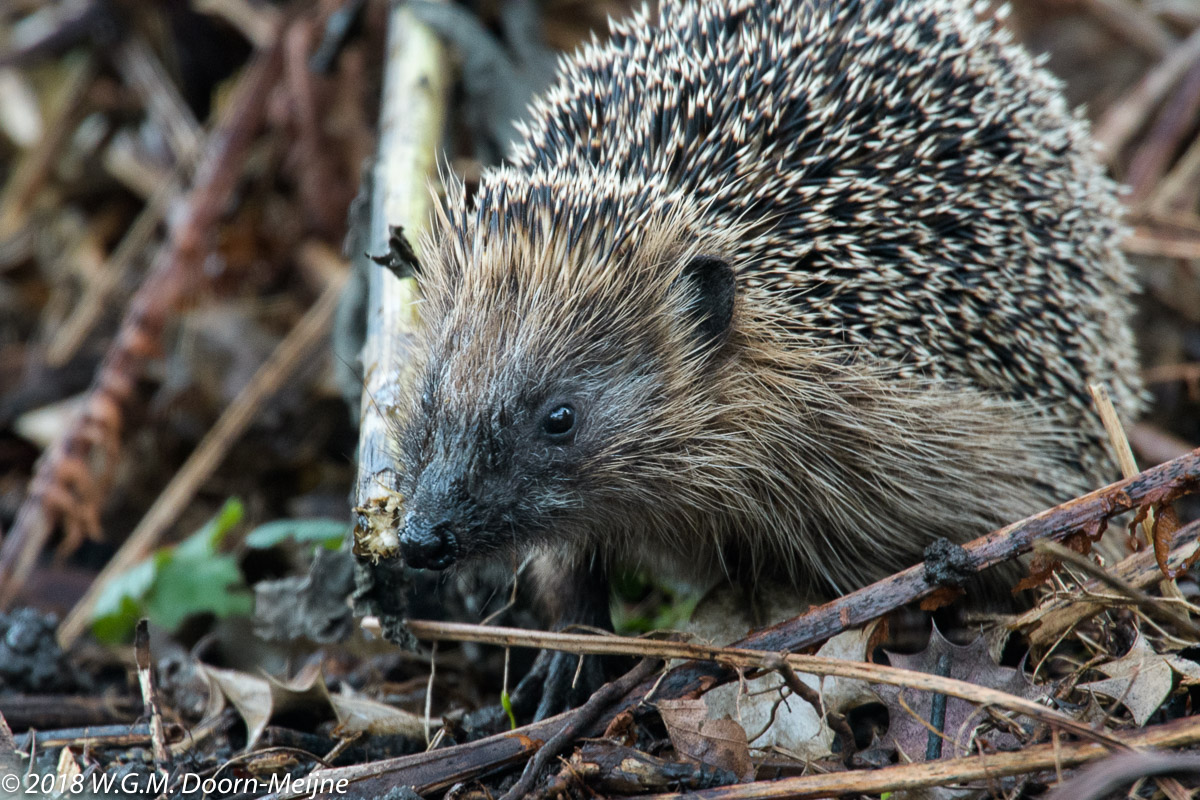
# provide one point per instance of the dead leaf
(1141, 680)
(355, 714)
(908, 729)
(306, 692)
(1189, 671)
(258, 699)
(716, 742)
(764, 707)
(250, 695)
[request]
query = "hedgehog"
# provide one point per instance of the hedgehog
(769, 290)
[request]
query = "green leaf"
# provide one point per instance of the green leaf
(120, 603)
(645, 603)
(330, 533)
(116, 624)
(174, 583)
(206, 540)
(189, 586)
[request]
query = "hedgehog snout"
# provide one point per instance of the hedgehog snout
(428, 546)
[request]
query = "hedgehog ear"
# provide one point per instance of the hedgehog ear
(711, 283)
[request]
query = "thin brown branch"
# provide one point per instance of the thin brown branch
(1179, 733)
(740, 658)
(1121, 121)
(588, 713)
(837, 722)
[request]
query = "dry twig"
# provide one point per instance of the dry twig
(1179, 733)
(580, 721)
(1118, 125)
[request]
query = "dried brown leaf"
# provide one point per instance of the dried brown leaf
(973, 663)
(718, 743)
(1140, 680)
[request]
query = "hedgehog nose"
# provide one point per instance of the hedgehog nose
(426, 546)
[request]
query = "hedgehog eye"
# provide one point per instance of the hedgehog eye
(559, 422)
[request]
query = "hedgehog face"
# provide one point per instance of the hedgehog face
(490, 473)
(538, 416)
(497, 450)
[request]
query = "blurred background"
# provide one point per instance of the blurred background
(177, 184)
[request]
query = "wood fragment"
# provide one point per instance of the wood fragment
(415, 88)
(145, 674)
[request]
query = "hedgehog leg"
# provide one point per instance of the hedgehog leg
(577, 595)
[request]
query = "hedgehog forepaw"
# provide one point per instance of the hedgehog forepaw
(556, 683)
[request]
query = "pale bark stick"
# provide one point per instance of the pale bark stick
(410, 128)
